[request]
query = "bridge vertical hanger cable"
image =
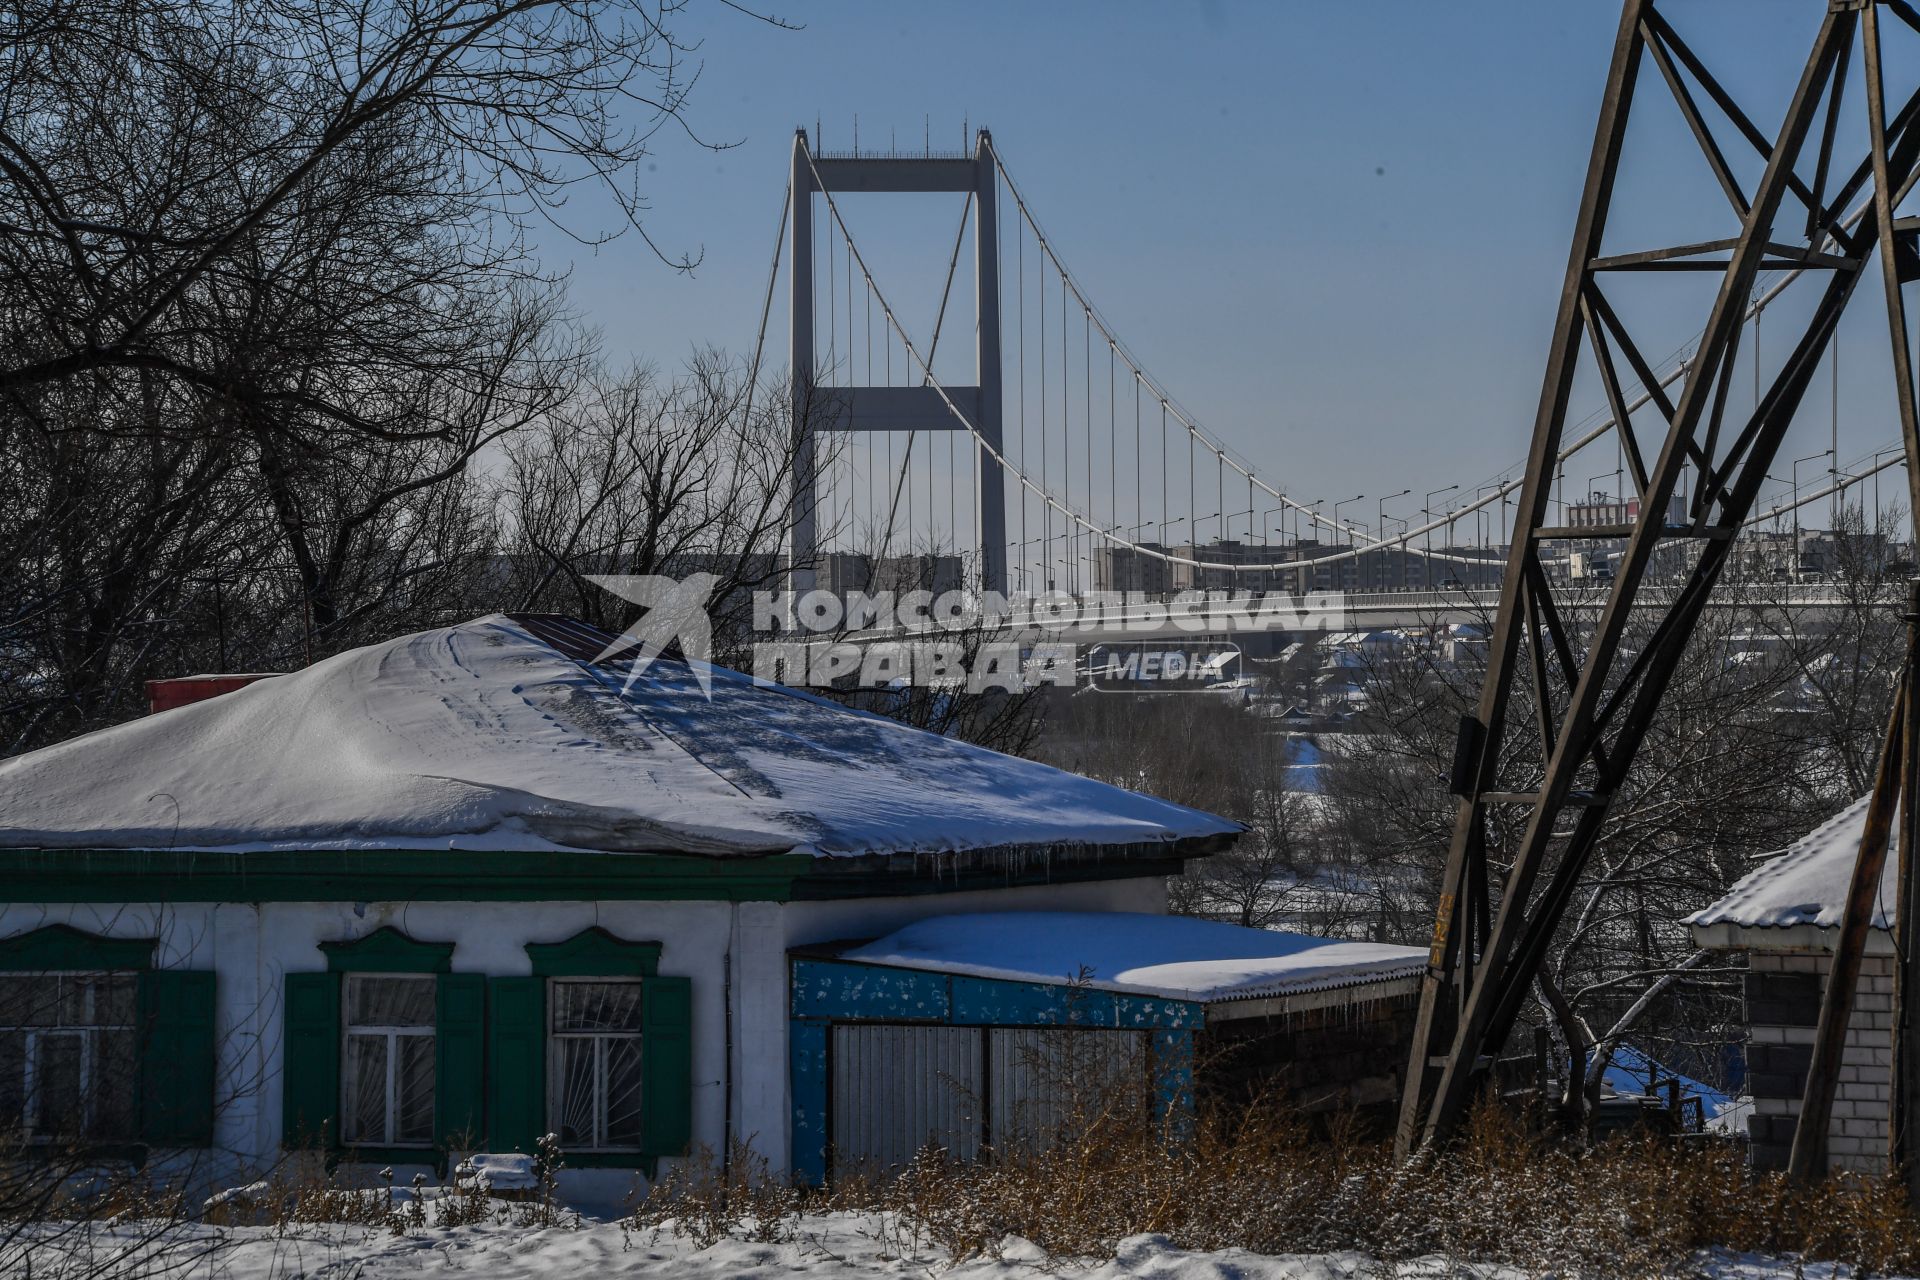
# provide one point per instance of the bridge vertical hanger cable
(1020, 293)
(1072, 519)
(1113, 457)
(1046, 445)
(1093, 506)
(1674, 368)
(1066, 445)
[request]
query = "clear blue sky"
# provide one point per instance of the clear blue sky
(1335, 232)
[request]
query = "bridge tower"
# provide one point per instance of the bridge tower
(819, 408)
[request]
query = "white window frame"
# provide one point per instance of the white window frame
(89, 1037)
(556, 1081)
(393, 1034)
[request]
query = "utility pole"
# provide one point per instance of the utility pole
(1594, 696)
(1903, 1112)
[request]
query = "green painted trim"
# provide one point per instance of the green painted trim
(387, 950)
(60, 946)
(388, 875)
(594, 953)
(430, 875)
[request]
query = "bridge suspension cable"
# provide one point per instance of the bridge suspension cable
(1080, 527)
(1670, 371)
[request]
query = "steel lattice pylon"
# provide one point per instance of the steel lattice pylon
(1594, 697)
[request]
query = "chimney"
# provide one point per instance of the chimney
(165, 695)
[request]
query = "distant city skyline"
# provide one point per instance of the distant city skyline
(1336, 235)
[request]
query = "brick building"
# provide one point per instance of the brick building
(1785, 917)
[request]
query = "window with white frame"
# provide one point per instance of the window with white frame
(387, 1074)
(67, 1055)
(595, 1064)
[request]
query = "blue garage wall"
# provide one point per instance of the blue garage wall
(828, 991)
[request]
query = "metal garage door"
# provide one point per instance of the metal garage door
(898, 1088)
(1039, 1074)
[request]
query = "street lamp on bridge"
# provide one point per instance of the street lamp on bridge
(1896, 448)
(1380, 509)
(1311, 506)
(1343, 502)
(1426, 510)
(1824, 453)
(1266, 525)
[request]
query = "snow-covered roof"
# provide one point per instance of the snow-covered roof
(1805, 885)
(502, 734)
(1176, 957)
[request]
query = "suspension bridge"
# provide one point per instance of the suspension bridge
(1060, 464)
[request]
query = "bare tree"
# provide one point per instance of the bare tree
(266, 299)
(1727, 773)
(636, 473)
(149, 148)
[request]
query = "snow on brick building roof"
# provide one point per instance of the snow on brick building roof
(1805, 885)
(1174, 957)
(502, 734)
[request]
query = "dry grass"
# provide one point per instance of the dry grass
(1260, 1179)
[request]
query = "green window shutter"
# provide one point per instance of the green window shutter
(516, 1063)
(459, 1052)
(310, 1060)
(666, 1056)
(176, 1057)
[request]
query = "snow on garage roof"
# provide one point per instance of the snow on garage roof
(1806, 884)
(502, 734)
(1175, 957)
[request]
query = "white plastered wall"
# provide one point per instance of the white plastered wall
(736, 954)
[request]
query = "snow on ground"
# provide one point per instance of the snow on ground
(1632, 1071)
(487, 736)
(828, 1247)
(1177, 957)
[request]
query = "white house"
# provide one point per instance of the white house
(459, 889)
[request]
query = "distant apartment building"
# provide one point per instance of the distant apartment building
(1224, 565)
(1297, 567)
(1836, 553)
(841, 572)
(1133, 569)
(1230, 566)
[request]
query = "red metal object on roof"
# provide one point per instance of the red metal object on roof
(165, 695)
